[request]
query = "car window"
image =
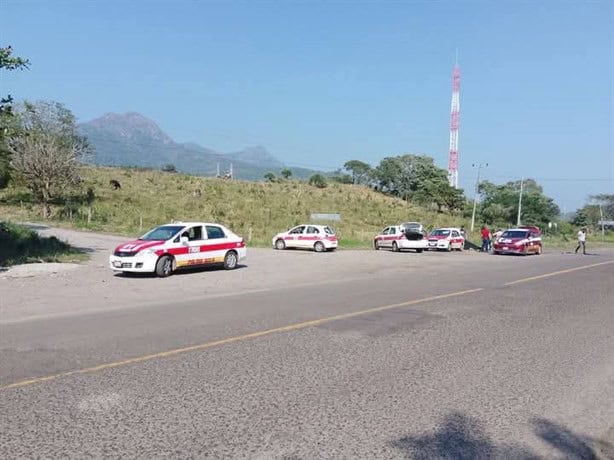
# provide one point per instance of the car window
(514, 234)
(455, 234)
(163, 233)
(393, 230)
(385, 231)
(297, 230)
(329, 230)
(311, 230)
(214, 232)
(194, 233)
(440, 232)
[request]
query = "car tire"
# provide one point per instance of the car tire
(395, 247)
(376, 245)
(165, 266)
(231, 260)
(539, 251)
(280, 244)
(418, 251)
(449, 249)
(319, 247)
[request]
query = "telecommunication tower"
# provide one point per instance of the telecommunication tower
(454, 125)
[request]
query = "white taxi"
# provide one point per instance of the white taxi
(179, 245)
(320, 238)
(446, 239)
(399, 237)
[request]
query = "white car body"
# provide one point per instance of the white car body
(393, 237)
(317, 237)
(186, 244)
(447, 239)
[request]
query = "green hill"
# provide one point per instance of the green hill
(255, 210)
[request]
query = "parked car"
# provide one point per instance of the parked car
(320, 238)
(179, 245)
(398, 238)
(446, 239)
(523, 240)
(414, 227)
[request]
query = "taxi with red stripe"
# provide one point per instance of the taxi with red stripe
(401, 237)
(446, 239)
(179, 245)
(320, 238)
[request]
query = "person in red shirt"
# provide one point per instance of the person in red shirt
(485, 238)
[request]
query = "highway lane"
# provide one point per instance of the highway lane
(515, 370)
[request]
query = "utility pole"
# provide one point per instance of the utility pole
(475, 193)
(520, 202)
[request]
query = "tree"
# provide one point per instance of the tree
(500, 203)
(270, 177)
(286, 173)
(318, 180)
(8, 124)
(360, 171)
(47, 152)
(416, 177)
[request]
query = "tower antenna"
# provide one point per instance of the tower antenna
(454, 126)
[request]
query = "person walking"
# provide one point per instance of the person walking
(485, 238)
(581, 241)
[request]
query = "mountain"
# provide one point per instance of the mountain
(130, 139)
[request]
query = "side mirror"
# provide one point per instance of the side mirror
(184, 240)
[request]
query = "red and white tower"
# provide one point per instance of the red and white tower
(454, 125)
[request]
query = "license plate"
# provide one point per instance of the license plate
(505, 248)
(432, 244)
(117, 264)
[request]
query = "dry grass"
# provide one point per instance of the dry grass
(255, 210)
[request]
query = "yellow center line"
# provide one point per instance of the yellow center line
(238, 338)
(560, 272)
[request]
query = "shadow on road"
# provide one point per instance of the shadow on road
(463, 437)
(570, 444)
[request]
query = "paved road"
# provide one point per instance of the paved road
(445, 361)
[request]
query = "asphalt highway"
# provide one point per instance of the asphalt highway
(494, 357)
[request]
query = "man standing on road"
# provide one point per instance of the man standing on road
(581, 240)
(485, 238)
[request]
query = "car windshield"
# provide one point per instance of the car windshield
(329, 230)
(440, 232)
(514, 234)
(163, 233)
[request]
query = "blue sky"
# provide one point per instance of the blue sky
(319, 83)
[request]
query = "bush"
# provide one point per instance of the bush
(318, 180)
(19, 245)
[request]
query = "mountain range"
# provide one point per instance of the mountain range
(131, 139)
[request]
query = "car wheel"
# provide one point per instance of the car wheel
(376, 245)
(280, 244)
(418, 251)
(231, 260)
(319, 247)
(164, 266)
(539, 251)
(395, 247)
(449, 249)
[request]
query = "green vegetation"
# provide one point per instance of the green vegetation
(8, 124)
(19, 245)
(255, 210)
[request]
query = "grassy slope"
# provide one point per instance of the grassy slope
(150, 198)
(256, 209)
